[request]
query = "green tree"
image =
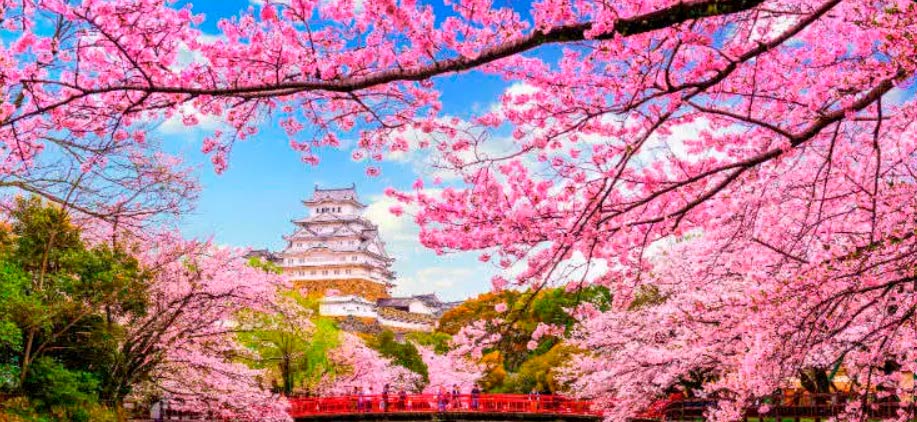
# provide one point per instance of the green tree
(294, 342)
(438, 340)
(404, 354)
(59, 306)
(540, 372)
(55, 389)
(511, 365)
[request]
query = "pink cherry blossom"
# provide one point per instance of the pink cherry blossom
(189, 329)
(449, 370)
(750, 162)
(361, 367)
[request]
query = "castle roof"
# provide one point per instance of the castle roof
(264, 254)
(429, 300)
(348, 194)
(346, 299)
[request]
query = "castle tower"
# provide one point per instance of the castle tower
(335, 248)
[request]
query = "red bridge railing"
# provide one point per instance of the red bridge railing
(431, 403)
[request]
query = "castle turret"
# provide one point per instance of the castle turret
(335, 250)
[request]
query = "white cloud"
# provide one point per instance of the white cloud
(448, 282)
(899, 95)
(174, 125)
(393, 229)
(514, 90)
(186, 57)
(765, 29)
(418, 269)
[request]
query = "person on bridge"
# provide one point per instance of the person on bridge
(475, 397)
(442, 398)
(402, 398)
(369, 400)
(384, 403)
(534, 399)
(456, 397)
(359, 393)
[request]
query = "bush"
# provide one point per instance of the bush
(20, 409)
(64, 393)
(403, 354)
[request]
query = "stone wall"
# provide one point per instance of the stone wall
(359, 325)
(357, 287)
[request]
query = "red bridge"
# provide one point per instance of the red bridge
(491, 407)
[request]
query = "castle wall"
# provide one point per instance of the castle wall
(348, 308)
(369, 290)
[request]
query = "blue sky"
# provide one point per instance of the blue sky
(252, 203)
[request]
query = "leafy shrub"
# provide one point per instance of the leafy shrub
(64, 393)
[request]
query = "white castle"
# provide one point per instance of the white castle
(337, 254)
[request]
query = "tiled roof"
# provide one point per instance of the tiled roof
(264, 254)
(429, 300)
(394, 314)
(335, 194)
(394, 302)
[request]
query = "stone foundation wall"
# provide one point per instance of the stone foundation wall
(369, 290)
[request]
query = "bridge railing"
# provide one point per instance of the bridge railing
(816, 408)
(431, 403)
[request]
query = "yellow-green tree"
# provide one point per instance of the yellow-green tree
(292, 342)
(512, 365)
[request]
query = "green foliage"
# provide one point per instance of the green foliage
(294, 344)
(59, 306)
(50, 385)
(646, 295)
(511, 366)
(479, 308)
(439, 341)
(404, 354)
(20, 409)
(43, 240)
(267, 266)
(540, 371)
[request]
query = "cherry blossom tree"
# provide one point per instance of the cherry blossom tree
(358, 366)
(184, 346)
(773, 137)
(449, 369)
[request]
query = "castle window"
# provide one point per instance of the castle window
(313, 272)
(325, 272)
(348, 271)
(336, 272)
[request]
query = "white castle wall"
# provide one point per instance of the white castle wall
(341, 306)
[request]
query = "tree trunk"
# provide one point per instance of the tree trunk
(26, 357)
